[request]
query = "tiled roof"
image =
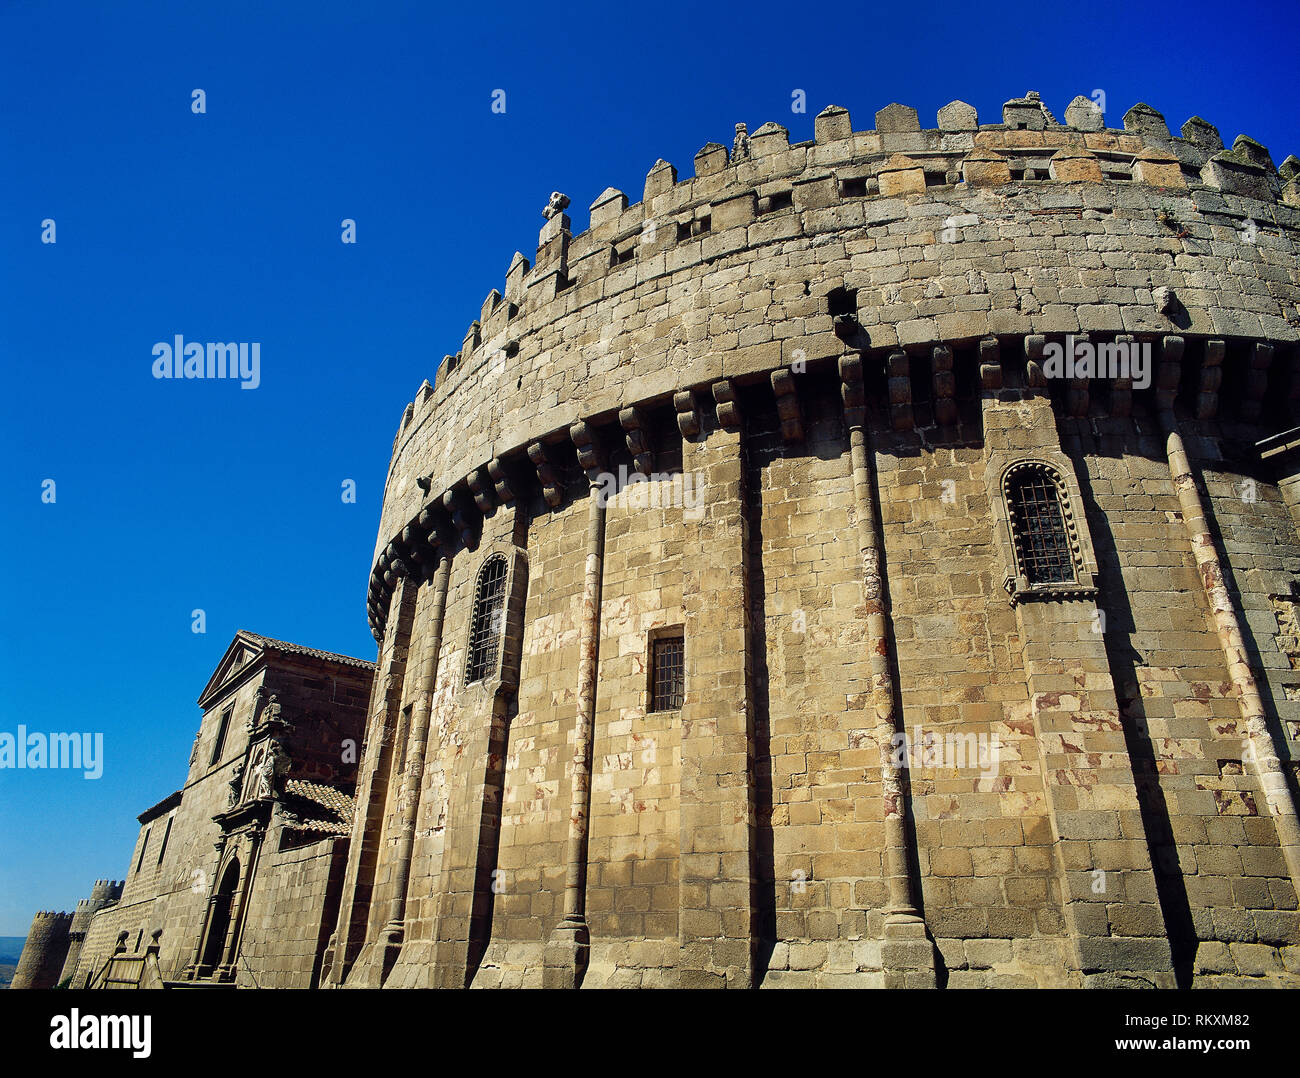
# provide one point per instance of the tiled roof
(287, 648)
(329, 810)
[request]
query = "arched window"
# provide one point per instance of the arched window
(1040, 528)
(488, 620)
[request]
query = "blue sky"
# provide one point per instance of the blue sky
(225, 226)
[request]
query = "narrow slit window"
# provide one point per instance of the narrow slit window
(143, 846)
(167, 833)
(223, 727)
(403, 735)
(488, 620)
(1038, 525)
(667, 673)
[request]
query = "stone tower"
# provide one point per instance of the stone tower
(868, 561)
(45, 951)
(105, 893)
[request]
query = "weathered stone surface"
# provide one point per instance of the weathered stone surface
(236, 876)
(1143, 120)
(1074, 166)
(817, 336)
(832, 124)
(1084, 114)
(958, 116)
(897, 119)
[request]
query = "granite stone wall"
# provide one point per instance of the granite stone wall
(775, 407)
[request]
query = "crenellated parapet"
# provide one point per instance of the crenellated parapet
(105, 893)
(921, 250)
(44, 951)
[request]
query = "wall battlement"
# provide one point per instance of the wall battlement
(897, 157)
(948, 236)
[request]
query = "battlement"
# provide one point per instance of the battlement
(50, 920)
(766, 179)
(886, 244)
(102, 894)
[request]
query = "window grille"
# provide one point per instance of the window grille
(1038, 525)
(668, 673)
(488, 620)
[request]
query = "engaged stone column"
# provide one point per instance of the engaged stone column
(372, 788)
(567, 950)
(394, 932)
(1115, 928)
(716, 918)
(1262, 751)
(906, 953)
(470, 879)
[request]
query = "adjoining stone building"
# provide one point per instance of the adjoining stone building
(726, 496)
(235, 876)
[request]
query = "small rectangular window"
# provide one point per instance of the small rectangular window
(780, 200)
(688, 230)
(667, 673)
(223, 727)
(854, 188)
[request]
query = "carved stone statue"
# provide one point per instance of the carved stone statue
(236, 785)
(269, 770)
(740, 147)
(558, 204)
